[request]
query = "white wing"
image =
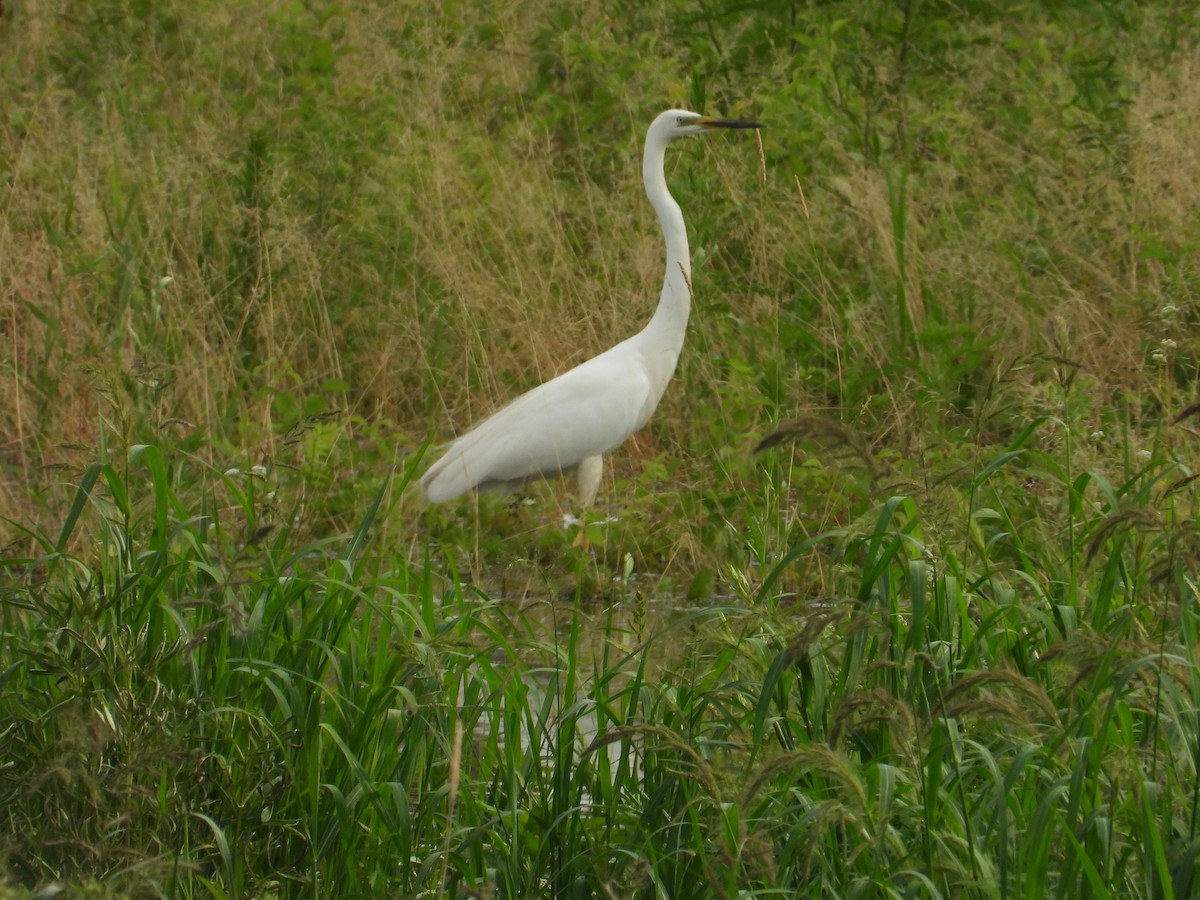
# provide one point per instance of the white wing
(584, 412)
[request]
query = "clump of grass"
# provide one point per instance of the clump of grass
(200, 713)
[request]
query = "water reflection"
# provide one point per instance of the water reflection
(574, 659)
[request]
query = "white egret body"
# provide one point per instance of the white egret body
(571, 421)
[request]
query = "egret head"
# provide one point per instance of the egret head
(679, 122)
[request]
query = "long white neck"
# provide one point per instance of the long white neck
(662, 338)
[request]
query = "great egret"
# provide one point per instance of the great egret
(571, 421)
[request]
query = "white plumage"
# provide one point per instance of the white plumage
(571, 421)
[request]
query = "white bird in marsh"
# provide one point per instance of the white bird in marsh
(571, 421)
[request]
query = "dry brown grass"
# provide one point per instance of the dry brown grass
(424, 226)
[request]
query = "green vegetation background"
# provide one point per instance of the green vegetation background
(939, 638)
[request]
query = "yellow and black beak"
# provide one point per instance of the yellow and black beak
(708, 122)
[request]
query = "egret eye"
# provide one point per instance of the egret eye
(681, 121)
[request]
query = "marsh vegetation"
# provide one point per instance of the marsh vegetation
(938, 639)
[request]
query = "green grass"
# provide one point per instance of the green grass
(938, 638)
(194, 714)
